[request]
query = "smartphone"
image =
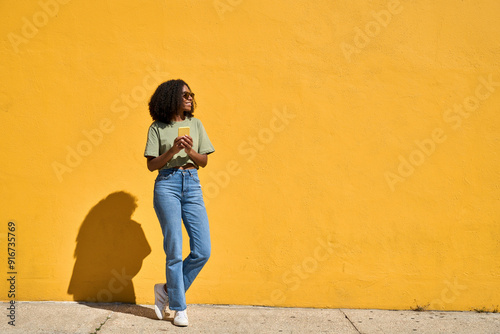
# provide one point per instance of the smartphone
(183, 130)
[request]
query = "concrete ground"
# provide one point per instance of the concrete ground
(71, 317)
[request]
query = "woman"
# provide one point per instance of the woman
(177, 191)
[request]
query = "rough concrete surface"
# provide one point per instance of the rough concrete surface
(70, 317)
(384, 321)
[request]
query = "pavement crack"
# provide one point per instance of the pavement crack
(102, 324)
(353, 325)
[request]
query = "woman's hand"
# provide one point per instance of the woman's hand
(184, 142)
(179, 144)
(187, 143)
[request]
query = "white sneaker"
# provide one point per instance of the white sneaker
(161, 300)
(181, 318)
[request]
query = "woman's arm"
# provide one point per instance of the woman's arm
(184, 142)
(200, 159)
(158, 162)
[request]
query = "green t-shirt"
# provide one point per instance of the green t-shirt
(161, 138)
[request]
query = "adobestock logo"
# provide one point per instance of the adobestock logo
(372, 29)
(454, 117)
(121, 106)
(406, 168)
(249, 148)
(448, 295)
(115, 286)
(223, 6)
(294, 277)
(5, 102)
(31, 27)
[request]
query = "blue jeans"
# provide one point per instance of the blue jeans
(177, 195)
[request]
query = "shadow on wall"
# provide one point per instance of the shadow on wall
(110, 248)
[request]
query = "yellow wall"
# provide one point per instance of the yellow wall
(356, 142)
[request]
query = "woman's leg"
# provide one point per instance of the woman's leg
(167, 204)
(195, 220)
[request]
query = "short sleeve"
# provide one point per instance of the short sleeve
(204, 146)
(153, 142)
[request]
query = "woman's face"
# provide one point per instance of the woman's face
(187, 99)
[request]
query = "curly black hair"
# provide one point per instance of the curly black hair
(167, 99)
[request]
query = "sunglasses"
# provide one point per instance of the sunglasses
(186, 95)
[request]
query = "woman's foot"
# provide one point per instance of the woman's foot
(181, 318)
(161, 300)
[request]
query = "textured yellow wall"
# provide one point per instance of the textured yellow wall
(356, 159)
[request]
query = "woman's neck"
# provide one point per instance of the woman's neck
(179, 117)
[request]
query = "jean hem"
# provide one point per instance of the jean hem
(178, 309)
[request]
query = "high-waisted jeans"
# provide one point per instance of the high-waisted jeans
(177, 195)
